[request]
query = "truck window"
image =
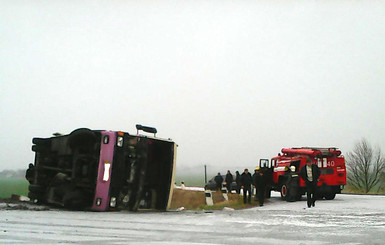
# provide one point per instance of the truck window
(319, 162)
(295, 164)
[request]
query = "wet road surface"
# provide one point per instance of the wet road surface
(349, 219)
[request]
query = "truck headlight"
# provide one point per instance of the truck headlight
(113, 202)
(119, 141)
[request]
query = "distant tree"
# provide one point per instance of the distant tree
(366, 167)
(382, 181)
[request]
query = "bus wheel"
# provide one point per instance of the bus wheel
(284, 192)
(81, 137)
(36, 188)
(329, 195)
(35, 197)
(40, 148)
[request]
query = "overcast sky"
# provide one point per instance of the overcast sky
(229, 81)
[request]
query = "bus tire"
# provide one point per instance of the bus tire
(41, 141)
(81, 137)
(36, 188)
(35, 197)
(40, 148)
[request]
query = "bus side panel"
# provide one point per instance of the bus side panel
(172, 178)
(101, 200)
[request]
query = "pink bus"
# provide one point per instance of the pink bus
(103, 170)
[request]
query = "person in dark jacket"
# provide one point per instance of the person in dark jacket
(238, 181)
(253, 179)
(219, 180)
(260, 184)
(310, 174)
(30, 173)
(246, 181)
(229, 180)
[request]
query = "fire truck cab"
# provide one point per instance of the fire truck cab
(284, 171)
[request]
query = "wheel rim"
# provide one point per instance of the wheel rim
(284, 190)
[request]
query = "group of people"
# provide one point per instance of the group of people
(258, 180)
(309, 173)
(245, 181)
(228, 180)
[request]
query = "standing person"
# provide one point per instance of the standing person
(229, 180)
(219, 180)
(246, 181)
(260, 184)
(310, 174)
(238, 181)
(30, 173)
(254, 184)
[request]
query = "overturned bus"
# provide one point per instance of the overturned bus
(103, 170)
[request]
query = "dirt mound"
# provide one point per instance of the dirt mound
(195, 200)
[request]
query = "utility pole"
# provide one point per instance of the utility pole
(205, 174)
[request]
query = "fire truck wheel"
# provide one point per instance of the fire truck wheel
(268, 194)
(329, 196)
(284, 192)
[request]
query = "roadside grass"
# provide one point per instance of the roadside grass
(351, 190)
(9, 186)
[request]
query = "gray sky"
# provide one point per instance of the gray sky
(229, 81)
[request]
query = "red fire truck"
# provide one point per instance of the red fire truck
(283, 172)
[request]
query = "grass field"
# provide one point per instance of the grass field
(192, 180)
(10, 186)
(375, 191)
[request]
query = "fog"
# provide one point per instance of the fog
(229, 81)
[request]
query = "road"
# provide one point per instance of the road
(349, 219)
